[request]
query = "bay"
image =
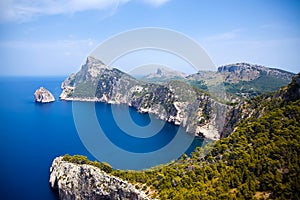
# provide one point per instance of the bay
(32, 135)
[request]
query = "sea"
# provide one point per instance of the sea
(33, 134)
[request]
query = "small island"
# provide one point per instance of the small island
(42, 95)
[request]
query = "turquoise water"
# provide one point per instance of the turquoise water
(32, 135)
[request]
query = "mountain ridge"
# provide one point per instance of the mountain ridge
(200, 112)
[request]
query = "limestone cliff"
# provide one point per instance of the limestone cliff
(174, 101)
(201, 103)
(82, 181)
(42, 95)
(242, 80)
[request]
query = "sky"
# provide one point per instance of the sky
(47, 38)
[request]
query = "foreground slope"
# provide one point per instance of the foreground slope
(260, 159)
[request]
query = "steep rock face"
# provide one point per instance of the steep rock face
(202, 114)
(248, 72)
(242, 80)
(42, 95)
(76, 182)
(175, 101)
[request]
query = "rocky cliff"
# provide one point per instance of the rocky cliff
(202, 103)
(81, 181)
(174, 101)
(242, 80)
(42, 95)
(247, 72)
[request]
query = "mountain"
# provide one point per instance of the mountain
(239, 80)
(248, 72)
(206, 104)
(242, 79)
(175, 101)
(258, 160)
(163, 74)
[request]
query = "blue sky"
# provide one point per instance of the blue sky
(43, 37)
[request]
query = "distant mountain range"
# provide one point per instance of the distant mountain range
(205, 103)
(163, 74)
(240, 79)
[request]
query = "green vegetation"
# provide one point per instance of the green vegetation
(78, 159)
(85, 89)
(198, 84)
(261, 85)
(259, 160)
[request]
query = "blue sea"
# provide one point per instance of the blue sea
(33, 134)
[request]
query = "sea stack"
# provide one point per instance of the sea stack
(42, 95)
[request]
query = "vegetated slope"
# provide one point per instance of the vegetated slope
(260, 159)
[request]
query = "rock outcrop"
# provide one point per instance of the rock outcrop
(242, 80)
(82, 181)
(234, 73)
(42, 95)
(163, 74)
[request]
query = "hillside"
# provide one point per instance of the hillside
(242, 80)
(259, 160)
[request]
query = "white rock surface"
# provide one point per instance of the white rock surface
(42, 95)
(76, 182)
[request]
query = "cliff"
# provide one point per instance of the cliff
(174, 101)
(202, 103)
(81, 181)
(247, 72)
(42, 95)
(258, 160)
(243, 80)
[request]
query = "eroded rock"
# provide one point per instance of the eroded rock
(42, 95)
(81, 181)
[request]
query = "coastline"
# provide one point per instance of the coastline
(208, 131)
